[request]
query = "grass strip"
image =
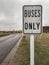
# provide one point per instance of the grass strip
(22, 56)
(42, 49)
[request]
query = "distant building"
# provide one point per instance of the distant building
(46, 29)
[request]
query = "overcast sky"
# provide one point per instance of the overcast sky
(11, 13)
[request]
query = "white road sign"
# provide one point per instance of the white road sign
(32, 19)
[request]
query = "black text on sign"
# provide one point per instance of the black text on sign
(32, 19)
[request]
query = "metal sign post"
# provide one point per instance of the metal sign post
(32, 24)
(32, 50)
